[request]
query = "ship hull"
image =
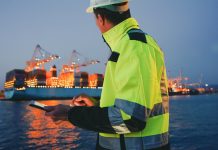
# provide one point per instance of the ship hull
(50, 93)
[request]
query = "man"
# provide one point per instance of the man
(133, 112)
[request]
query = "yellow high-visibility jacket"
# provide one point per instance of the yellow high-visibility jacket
(136, 84)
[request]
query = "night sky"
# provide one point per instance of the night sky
(186, 30)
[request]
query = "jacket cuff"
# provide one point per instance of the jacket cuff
(70, 115)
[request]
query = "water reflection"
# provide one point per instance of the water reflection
(42, 132)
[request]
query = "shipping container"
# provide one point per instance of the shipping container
(81, 79)
(15, 78)
(66, 79)
(96, 80)
(36, 77)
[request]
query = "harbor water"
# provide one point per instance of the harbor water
(193, 126)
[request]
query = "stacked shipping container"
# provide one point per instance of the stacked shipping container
(96, 80)
(39, 77)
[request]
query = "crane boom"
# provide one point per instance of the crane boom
(39, 58)
(74, 64)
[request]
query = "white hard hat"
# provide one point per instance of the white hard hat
(102, 3)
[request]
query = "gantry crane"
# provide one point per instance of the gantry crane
(178, 82)
(74, 64)
(39, 58)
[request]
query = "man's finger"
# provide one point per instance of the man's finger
(79, 103)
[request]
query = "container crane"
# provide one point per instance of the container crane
(74, 64)
(39, 58)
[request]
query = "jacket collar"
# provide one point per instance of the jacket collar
(113, 35)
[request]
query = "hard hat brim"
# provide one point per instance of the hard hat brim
(89, 10)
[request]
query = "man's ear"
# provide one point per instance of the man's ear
(101, 20)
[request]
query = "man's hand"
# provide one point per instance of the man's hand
(84, 100)
(58, 112)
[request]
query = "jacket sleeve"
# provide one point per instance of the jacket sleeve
(98, 119)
